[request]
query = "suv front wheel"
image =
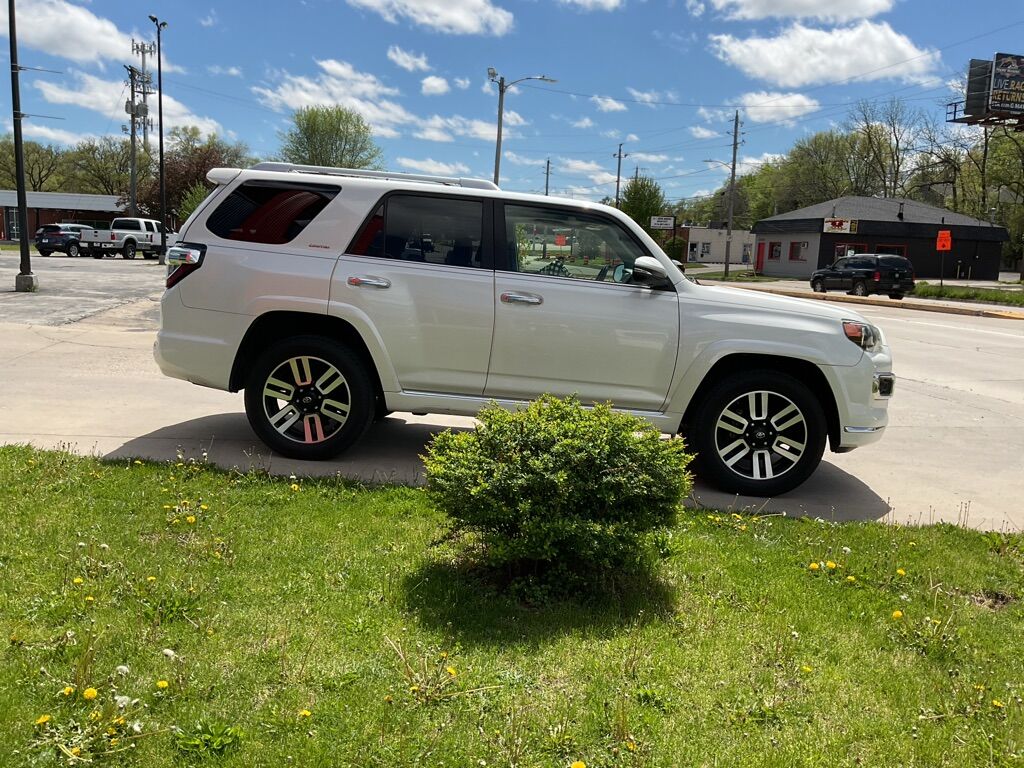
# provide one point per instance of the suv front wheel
(758, 433)
(309, 397)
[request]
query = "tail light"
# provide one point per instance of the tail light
(113, 236)
(877, 277)
(182, 260)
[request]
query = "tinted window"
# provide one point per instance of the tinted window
(863, 262)
(841, 264)
(126, 224)
(895, 262)
(436, 230)
(49, 228)
(269, 211)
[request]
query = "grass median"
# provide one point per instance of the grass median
(925, 290)
(163, 614)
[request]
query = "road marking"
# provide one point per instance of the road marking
(966, 328)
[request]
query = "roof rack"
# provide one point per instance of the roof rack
(324, 169)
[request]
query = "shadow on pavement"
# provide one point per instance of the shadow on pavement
(830, 494)
(388, 453)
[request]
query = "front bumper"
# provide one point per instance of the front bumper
(862, 394)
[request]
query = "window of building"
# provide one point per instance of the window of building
(705, 249)
(892, 250)
(774, 251)
(796, 251)
(270, 212)
(845, 249)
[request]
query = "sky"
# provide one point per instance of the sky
(662, 77)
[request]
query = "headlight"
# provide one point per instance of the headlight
(864, 335)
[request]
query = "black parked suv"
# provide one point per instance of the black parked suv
(865, 273)
(59, 237)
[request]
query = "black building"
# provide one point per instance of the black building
(795, 244)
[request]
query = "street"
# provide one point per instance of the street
(78, 372)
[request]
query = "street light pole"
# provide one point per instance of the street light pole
(25, 281)
(499, 80)
(160, 25)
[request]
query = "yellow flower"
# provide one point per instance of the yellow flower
(578, 764)
(979, 687)
(304, 713)
(806, 669)
(95, 715)
(997, 703)
(162, 684)
(175, 521)
(151, 579)
(912, 543)
(77, 580)
(851, 579)
(295, 486)
(138, 463)
(191, 519)
(89, 694)
(450, 671)
(204, 507)
(89, 599)
(76, 751)
(113, 742)
(42, 720)
(388, 699)
(631, 745)
(897, 614)
(900, 572)
(68, 690)
(814, 566)
(414, 689)
(743, 527)
(830, 565)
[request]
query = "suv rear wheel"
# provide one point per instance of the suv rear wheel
(860, 288)
(758, 433)
(309, 397)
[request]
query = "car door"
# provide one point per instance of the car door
(568, 321)
(420, 270)
(833, 275)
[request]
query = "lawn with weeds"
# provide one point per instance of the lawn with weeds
(925, 290)
(173, 614)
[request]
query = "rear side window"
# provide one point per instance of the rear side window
(436, 230)
(895, 262)
(127, 224)
(269, 212)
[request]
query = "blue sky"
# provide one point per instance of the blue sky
(661, 76)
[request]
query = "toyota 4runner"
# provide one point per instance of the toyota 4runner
(335, 296)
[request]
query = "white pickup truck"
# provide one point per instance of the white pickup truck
(128, 236)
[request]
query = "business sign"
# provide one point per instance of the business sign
(840, 227)
(1007, 84)
(944, 240)
(663, 222)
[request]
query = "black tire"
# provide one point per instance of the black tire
(818, 285)
(300, 406)
(733, 456)
(45, 253)
(860, 288)
(129, 250)
(896, 296)
(73, 250)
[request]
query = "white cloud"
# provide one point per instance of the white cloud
(580, 166)
(583, 122)
(802, 55)
(632, 137)
(826, 10)
(646, 157)
(700, 132)
(339, 83)
(72, 32)
(445, 129)
(594, 5)
(512, 157)
(216, 69)
(209, 20)
(695, 8)
(611, 134)
(608, 104)
(47, 133)
(747, 164)
(456, 17)
(650, 98)
(107, 98)
(433, 167)
(462, 83)
(775, 107)
(434, 86)
(411, 62)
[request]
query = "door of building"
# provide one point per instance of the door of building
(759, 266)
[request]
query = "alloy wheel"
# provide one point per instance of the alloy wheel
(761, 435)
(306, 400)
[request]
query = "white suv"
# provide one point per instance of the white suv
(335, 296)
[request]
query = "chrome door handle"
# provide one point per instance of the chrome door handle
(521, 298)
(369, 282)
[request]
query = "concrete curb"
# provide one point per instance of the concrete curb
(919, 306)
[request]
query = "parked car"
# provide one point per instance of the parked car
(307, 288)
(865, 273)
(65, 238)
(127, 236)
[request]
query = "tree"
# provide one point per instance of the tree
(642, 199)
(42, 165)
(332, 136)
(102, 166)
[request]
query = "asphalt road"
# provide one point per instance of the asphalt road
(77, 372)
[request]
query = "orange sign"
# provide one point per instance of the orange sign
(944, 242)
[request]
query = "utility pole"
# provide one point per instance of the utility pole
(732, 191)
(547, 177)
(144, 82)
(24, 281)
(618, 173)
(131, 109)
(160, 26)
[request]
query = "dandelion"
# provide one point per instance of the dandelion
(204, 507)
(578, 764)
(42, 720)
(175, 521)
(113, 742)
(137, 463)
(68, 690)
(162, 684)
(295, 487)
(89, 694)
(388, 699)
(897, 614)
(806, 669)
(151, 579)
(90, 599)
(743, 527)
(191, 519)
(900, 572)
(814, 566)
(911, 543)
(997, 703)
(631, 745)
(95, 715)
(414, 689)
(830, 565)
(979, 687)
(851, 579)
(77, 580)
(304, 713)
(451, 671)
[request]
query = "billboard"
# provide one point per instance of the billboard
(840, 226)
(1007, 93)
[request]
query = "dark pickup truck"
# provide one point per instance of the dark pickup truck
(865, 273)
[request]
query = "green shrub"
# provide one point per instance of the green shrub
(558, 484)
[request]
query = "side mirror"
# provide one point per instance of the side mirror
(649, 271)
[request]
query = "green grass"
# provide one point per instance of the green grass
(282, 599)
(735, 275)
(926, 290)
